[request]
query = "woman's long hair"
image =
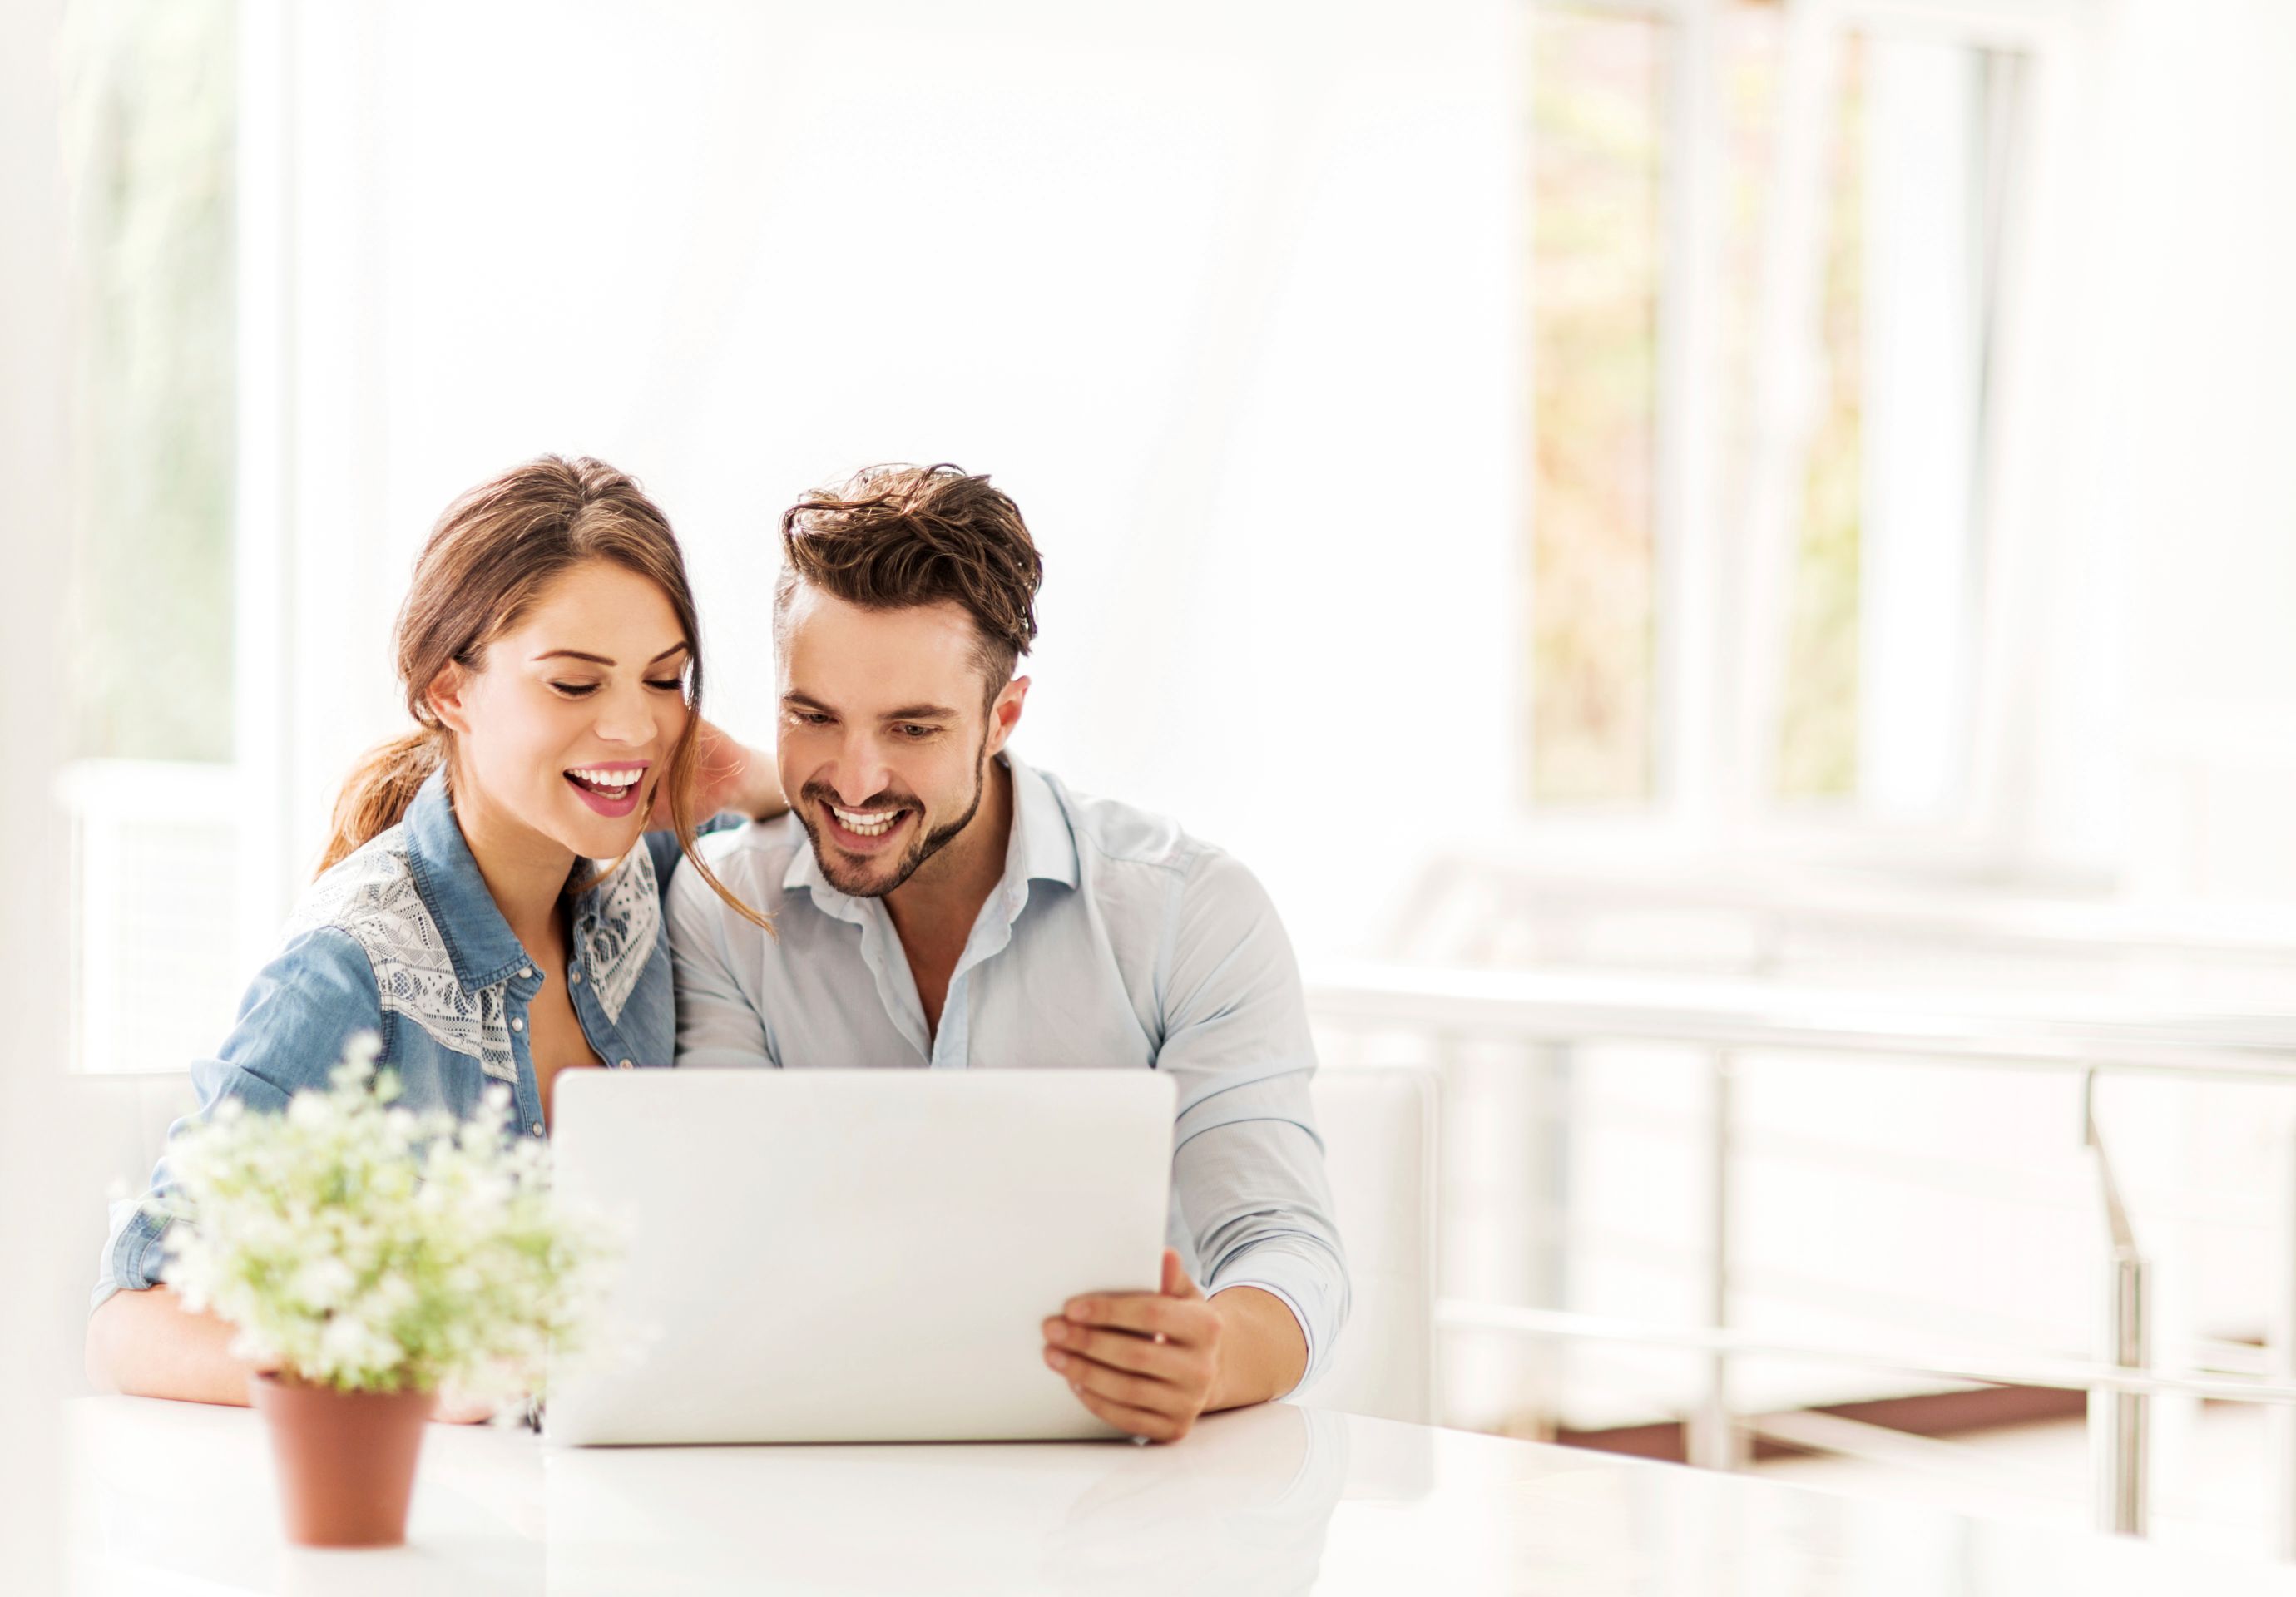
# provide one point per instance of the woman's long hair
(491, 554)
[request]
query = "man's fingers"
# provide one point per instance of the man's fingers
(1176, 1283)
(1120, 1349)
(1147, 1314)
(1133, 1422)
(1120, 1385)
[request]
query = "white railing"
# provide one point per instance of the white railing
(1725, 1017)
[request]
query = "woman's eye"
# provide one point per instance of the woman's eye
(576, 690)
(671, 685)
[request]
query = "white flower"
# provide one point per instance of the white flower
(367, 1246)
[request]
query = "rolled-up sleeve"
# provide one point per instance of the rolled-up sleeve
(1247, 1163)
(298, 1014)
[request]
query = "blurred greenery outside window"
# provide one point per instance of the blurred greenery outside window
(1599, 92)
(149, 127)
(150, 141)
(1600, 116)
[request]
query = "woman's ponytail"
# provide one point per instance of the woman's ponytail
(379, 788)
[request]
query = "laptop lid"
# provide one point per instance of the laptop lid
(852, 1255)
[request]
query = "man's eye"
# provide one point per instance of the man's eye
(918, 734)
(576, 690)
(808, 717)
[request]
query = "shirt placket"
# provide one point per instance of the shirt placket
(518, 995)
(602, 1035)
(952, 1047)
(888, 967)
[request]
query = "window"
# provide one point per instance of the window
(150, 136)
(1767, 264)
(1599, 114)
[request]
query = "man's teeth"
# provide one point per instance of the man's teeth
(864, 823)
(618, 781)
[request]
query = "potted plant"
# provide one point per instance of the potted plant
(370, 1256)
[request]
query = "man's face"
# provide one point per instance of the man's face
(884, 738)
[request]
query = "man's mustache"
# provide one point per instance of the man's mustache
(885, 800)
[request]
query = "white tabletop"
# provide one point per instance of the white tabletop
(178, 1498)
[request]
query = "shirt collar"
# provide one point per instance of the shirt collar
(1043, 840)
(478, 939)
(1041, 848)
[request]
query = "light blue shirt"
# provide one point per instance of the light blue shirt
(1113, 940)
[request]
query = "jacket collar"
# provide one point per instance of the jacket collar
(479, 941)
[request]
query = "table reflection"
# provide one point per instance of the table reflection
(1244, 1504)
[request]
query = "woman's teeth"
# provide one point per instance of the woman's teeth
(607, 784)
(865, 824)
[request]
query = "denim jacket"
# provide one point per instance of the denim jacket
(402, 938)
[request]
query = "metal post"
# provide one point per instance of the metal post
(2120, 1423)
(2281, 1351)
(1550, 1074)
(1711, 1438)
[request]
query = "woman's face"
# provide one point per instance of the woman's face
(565, 730)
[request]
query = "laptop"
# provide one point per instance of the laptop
(854, 1255)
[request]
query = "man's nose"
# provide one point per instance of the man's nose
(862, 773)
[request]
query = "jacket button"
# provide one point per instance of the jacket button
(624, 1065)
(526, 969)
(574, 977)
(516, 1024)
(537, 1128)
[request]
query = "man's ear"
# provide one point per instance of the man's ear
(445, 697)
(1004, 712)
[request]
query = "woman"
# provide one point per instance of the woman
(469, 909)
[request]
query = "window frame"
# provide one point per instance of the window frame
(1722, 580)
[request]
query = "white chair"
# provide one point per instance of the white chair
(127, 1118)
(1379, 1129)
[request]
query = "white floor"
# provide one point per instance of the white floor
(2212, 1481)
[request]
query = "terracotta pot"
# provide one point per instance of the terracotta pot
(346, 1460)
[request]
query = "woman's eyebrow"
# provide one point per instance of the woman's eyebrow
(600, 659)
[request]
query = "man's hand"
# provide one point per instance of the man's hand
(1144, 1361)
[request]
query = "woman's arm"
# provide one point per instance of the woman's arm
(301, 1009)
(146, 1344)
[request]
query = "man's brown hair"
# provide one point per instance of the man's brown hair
(892, 537)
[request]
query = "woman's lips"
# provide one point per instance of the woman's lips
(604, 800)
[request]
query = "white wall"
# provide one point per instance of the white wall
(39, 1144)
(2195, 467)
(1224, 294)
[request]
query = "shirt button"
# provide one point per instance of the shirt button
(623, 1065)
(574, 977)
(537, 1128)
(516, 1024)
(526, 969)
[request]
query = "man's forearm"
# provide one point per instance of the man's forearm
(1263, 1352)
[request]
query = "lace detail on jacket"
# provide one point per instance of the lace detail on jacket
(619, 927)
(371, 895)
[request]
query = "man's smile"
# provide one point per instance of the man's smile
(864, 830)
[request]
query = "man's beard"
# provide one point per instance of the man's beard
(928, 843)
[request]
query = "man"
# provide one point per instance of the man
(939, 903)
